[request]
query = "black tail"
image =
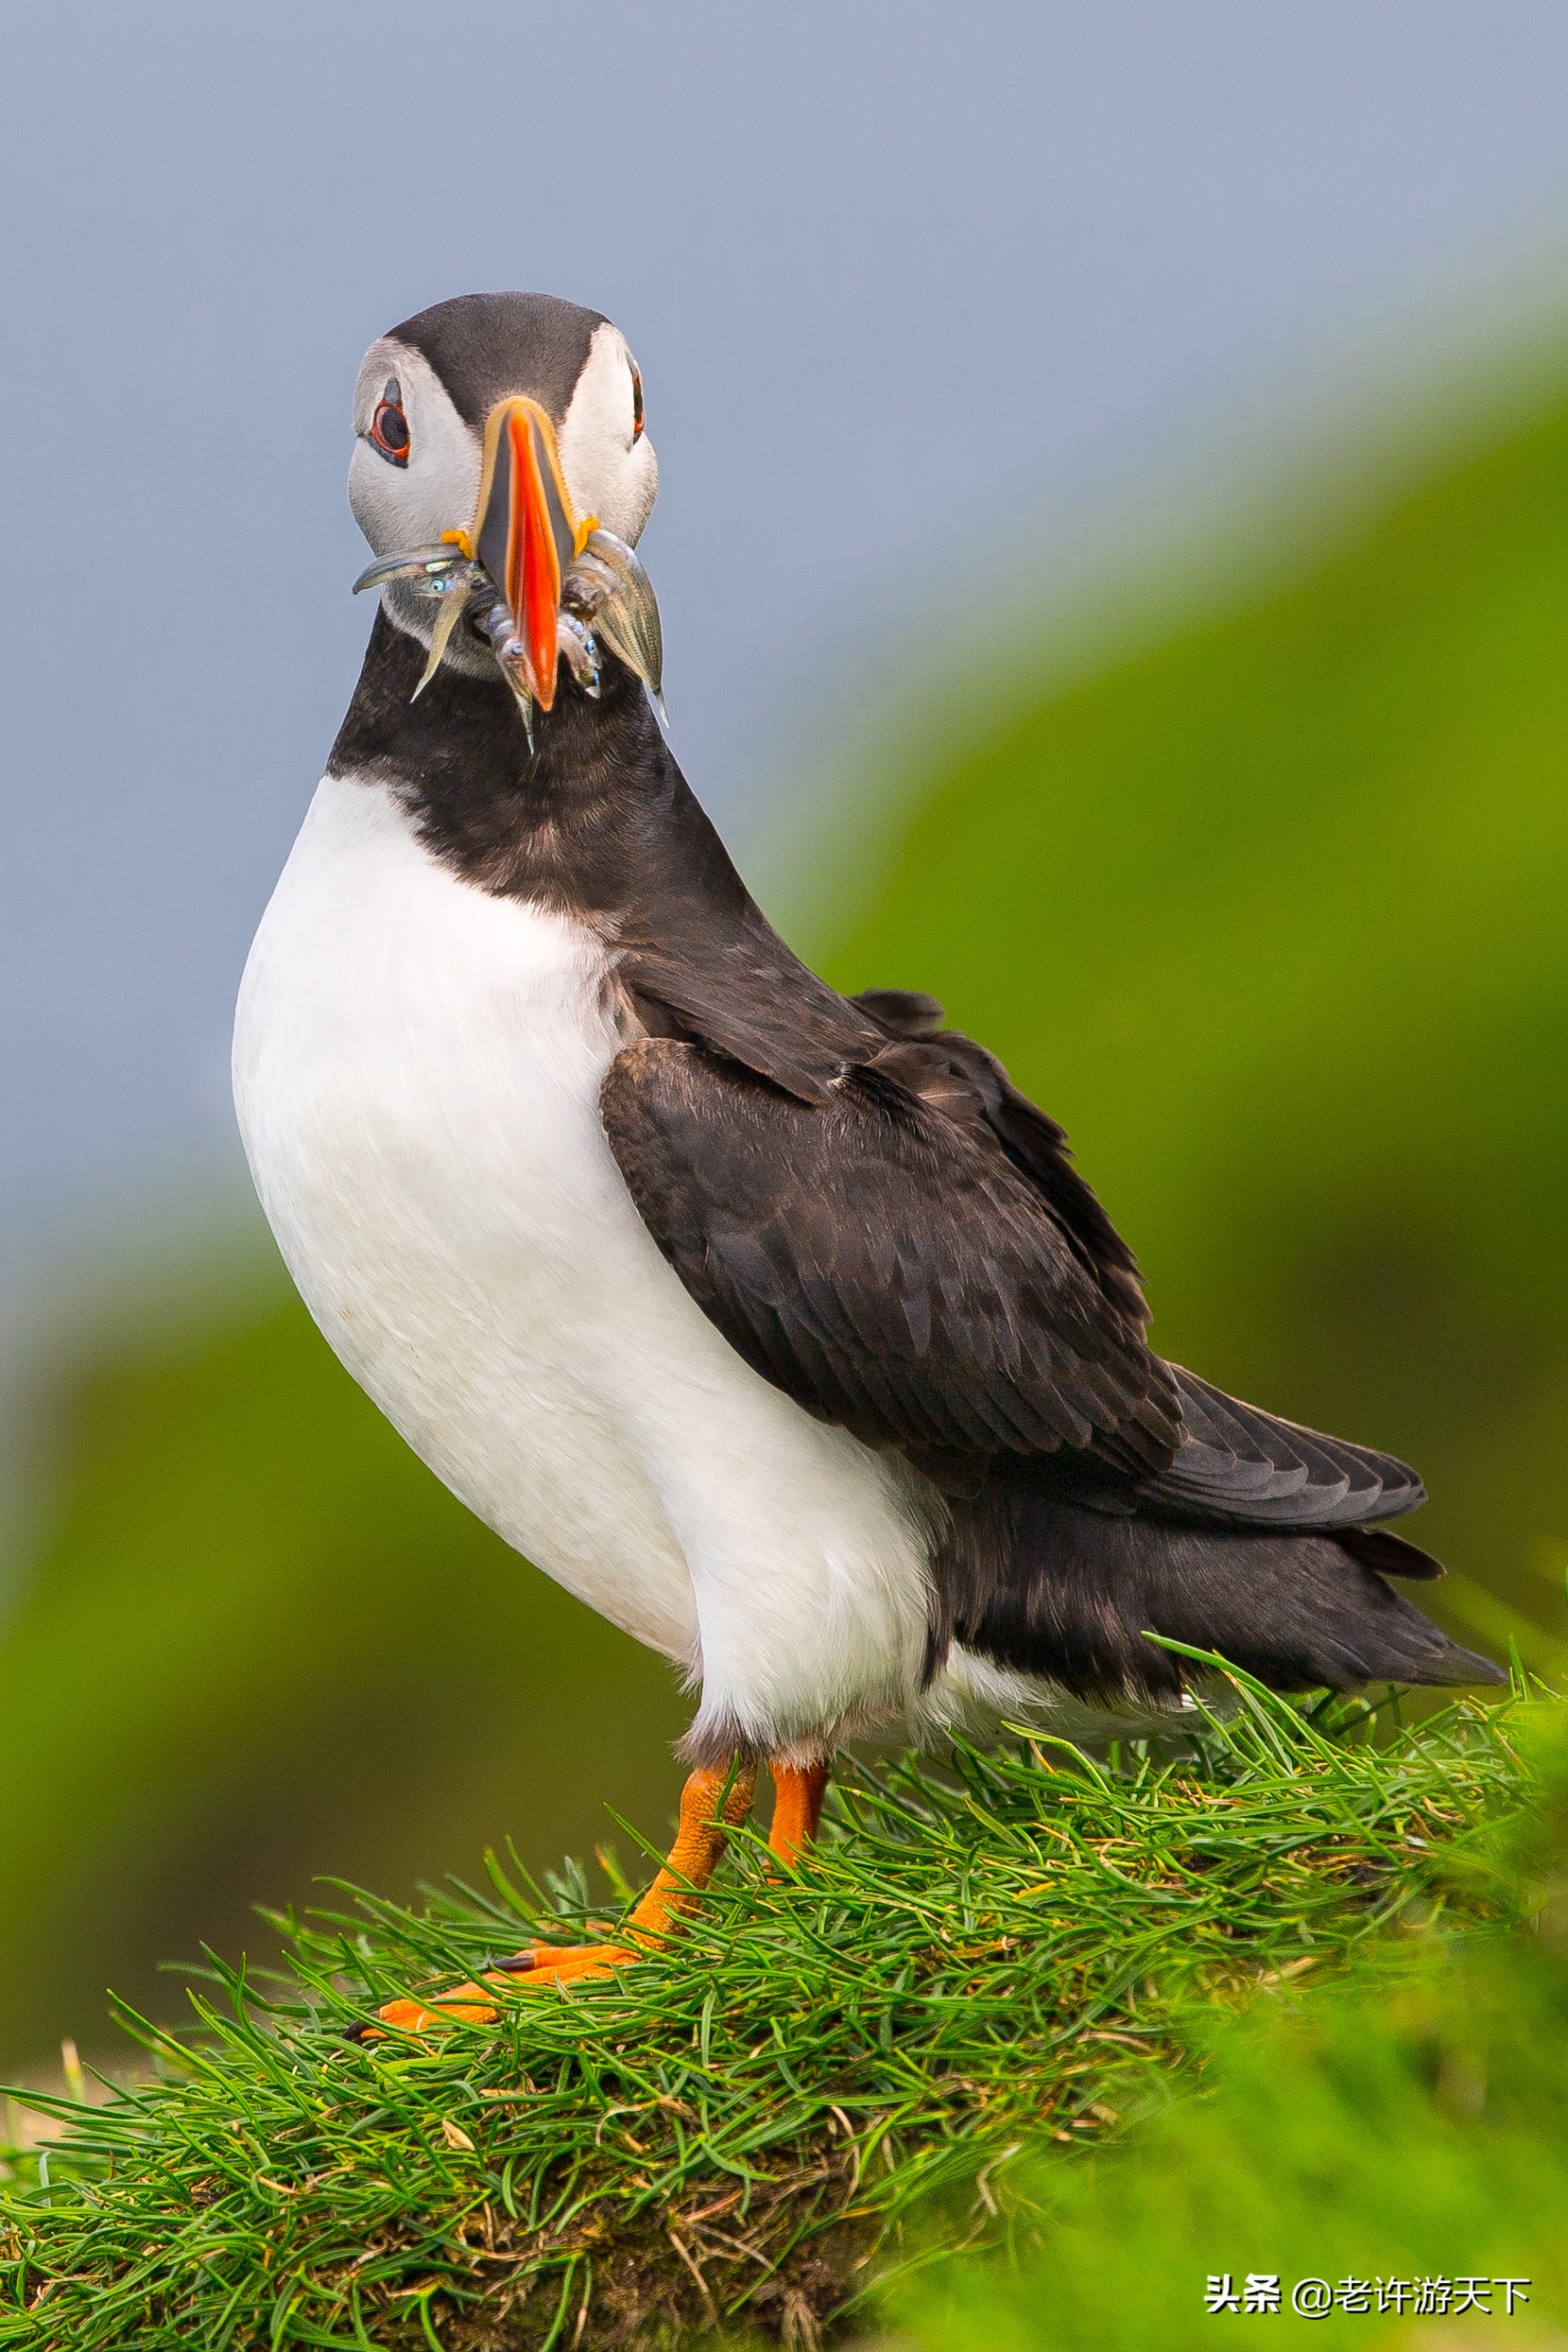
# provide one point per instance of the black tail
(1051, 1588)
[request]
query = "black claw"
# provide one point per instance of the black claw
(516, 1965)
(360, 2032)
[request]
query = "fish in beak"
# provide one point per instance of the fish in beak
(535, 578)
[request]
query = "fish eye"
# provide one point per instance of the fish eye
(389, 426)
(636, 402)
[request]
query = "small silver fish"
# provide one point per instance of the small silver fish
(582, 654)
(610, 592)
(434, 569)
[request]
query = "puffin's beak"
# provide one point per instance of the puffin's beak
(525, 531)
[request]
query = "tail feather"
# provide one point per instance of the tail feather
(1050, 1588)
(1390, 1555)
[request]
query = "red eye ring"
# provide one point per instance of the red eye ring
(389, 427)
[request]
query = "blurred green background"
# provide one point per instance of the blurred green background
(1269, 912)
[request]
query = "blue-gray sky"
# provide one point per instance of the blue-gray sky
(898, 276)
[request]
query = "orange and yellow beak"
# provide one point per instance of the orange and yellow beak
(525, 531)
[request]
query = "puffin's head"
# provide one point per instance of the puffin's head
(502, 474)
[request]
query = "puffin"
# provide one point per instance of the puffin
(775, 1325)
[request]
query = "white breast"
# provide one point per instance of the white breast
(417, 1068)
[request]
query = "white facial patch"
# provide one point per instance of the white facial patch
(415, 505)
(412, 505)
(611, 471)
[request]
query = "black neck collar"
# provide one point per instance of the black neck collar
(577, 824)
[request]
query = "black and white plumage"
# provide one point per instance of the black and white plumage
(777, 1326)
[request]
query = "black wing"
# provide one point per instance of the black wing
(1236, 1465)
(913, 1254)
(1239, 1467)
(884, 1259)
(943, 1066)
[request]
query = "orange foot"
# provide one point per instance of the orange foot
(468, 2005)
(712, 1802)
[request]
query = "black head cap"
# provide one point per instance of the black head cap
(485, 347)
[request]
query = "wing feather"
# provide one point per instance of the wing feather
(890, 1266)
(884, 1257)
(1240, 1466)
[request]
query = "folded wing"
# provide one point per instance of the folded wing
(1239, 1467)
(884, 1259)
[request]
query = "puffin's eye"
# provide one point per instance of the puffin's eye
(389, 426)
(636, 404)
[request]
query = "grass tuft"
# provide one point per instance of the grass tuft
(1000, 1955)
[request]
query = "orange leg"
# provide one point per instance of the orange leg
(798, 1793)
(706, 1814)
